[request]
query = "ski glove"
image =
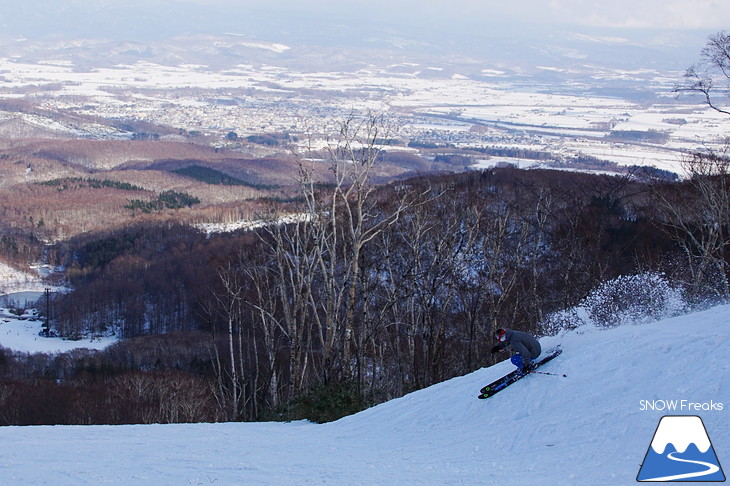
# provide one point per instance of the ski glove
(496, 349)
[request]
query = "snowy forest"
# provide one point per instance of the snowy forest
(354, 292)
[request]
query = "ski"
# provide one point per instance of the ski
(510, 378)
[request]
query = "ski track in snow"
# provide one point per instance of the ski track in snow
(711, 469)
(584, 429)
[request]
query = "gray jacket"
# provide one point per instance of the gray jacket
(523, 343)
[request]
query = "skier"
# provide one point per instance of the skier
(524, 344)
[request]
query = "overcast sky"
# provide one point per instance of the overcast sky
(675, 14)
(137, 17)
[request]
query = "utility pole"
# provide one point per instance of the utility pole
(47, 325)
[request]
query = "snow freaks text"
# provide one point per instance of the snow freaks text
(680, 406)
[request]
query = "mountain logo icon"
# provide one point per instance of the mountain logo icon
(681, 451)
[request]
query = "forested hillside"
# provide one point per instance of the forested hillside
(373, 291)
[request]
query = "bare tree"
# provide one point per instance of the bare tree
(700, 222)
(230, 375)
(710, 77)
(283, 300)
(353, 159)
(698, 219)
(264, 319)
(314, 260)
(6, 393)
(347, 218)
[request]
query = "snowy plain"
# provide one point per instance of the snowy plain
(271, 98)
(21, 333)
(19, 327)
(592, 427)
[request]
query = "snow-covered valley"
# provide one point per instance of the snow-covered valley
(456, 105)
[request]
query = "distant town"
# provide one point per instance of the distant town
(509, 121)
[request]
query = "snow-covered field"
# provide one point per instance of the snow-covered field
(21, 332)
(14, 281)
(263, 99)
(592, 427)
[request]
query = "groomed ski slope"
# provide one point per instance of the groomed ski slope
(586, 429)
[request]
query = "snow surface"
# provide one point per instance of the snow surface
(589, 428)
(21, 333)
(13, 281)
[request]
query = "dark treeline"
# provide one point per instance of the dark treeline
(380, 291)
(158, 379)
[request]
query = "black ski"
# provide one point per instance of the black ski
(510, 378)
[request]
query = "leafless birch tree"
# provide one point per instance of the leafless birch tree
(698, 219)
(710, 77)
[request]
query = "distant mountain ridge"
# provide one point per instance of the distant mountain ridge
(331, 47)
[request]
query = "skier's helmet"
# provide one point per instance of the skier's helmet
(499, 335)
